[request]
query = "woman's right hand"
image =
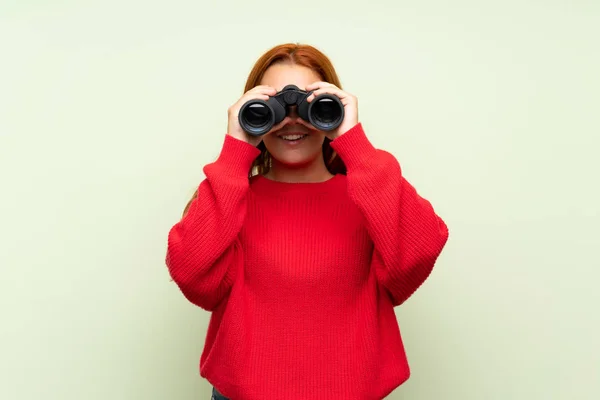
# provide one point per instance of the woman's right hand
(234, 129)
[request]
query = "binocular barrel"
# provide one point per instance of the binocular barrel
(325, 112)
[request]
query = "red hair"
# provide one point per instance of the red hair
(299, 54)
(306, 56)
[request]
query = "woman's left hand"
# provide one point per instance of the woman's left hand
(349, 101)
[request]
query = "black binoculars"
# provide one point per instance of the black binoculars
(325, 112)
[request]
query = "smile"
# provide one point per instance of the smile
(293, 137)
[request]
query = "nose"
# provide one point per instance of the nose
(293, 112)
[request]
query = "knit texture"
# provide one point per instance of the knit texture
(301, 279)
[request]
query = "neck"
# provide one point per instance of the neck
(314, 171)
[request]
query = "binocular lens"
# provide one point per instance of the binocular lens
(326, 112)
(257, 115)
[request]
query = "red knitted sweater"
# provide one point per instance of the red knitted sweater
(301, 278)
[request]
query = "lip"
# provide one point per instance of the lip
(292, 133)
(296, 142)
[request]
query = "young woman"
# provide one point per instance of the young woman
(300, 243)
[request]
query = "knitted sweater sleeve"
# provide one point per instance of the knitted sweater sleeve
(203, 248)
(407, 233)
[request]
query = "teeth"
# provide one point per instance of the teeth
(293, 137)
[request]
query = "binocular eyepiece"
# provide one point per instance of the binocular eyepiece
(325, 112)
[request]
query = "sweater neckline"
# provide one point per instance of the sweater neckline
(265, 185)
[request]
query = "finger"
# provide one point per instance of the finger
(259, 92)
(253, 96)
(263, 89)
(331, 90)
(346, 100)
(318, 85)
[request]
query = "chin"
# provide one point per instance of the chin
(295, 160)
(295, 155)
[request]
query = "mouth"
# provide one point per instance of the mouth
(293, 137)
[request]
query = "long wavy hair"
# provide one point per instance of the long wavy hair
(306, 56)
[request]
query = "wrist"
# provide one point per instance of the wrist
(353, 147)
(244, 137)
(237, 155)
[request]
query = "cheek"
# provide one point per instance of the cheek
(269, 140)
